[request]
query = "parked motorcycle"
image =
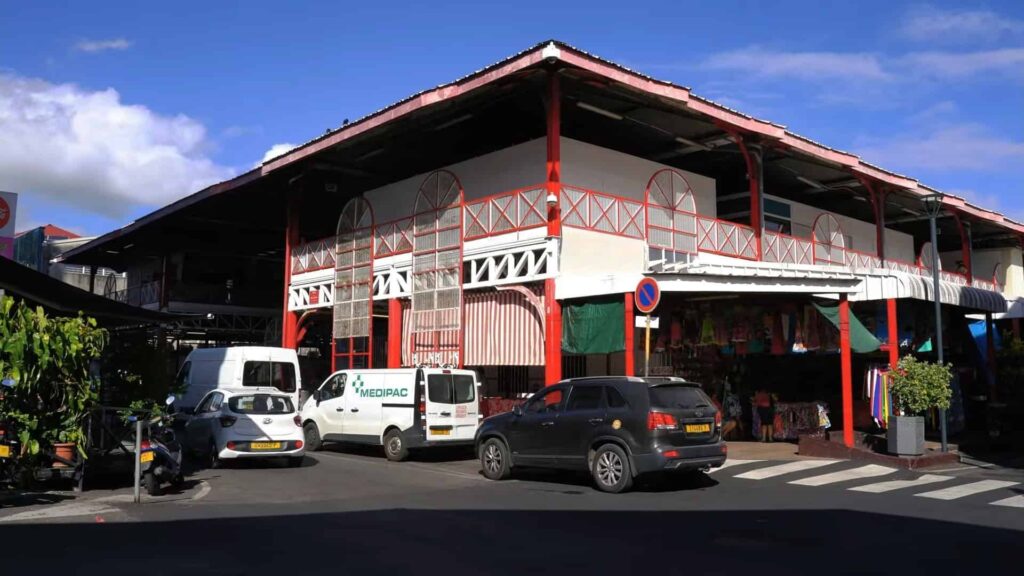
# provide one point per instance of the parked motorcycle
(160, 455)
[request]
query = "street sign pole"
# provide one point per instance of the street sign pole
(137, 493)
(647, 347)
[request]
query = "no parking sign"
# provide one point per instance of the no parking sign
(647, 295)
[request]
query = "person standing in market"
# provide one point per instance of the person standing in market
(765, 405)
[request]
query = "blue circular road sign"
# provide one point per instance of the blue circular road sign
(647, 295)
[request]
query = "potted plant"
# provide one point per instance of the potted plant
(917, 386)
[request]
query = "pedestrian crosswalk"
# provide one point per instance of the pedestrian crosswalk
(871, 479)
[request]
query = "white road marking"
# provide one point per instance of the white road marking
(967, 489)
(1011, 502)
(869, 471)
(731, 463)
(880, 487)
(61, 511)
(787, 468)
(203, 492)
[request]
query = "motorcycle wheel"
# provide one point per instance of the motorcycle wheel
(152, 484)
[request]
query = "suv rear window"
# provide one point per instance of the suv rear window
(261, 404)
(451, 388)
(280, 375)
(678, 397)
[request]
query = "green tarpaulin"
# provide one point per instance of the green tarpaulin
(593, 327)
(861, 339)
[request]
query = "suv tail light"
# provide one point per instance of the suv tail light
(227, 421)
(145, 445)
(661, 421)
(718, 419)
(297, 420)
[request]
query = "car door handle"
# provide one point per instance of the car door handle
(596, 421)
(340, 409)
(446, 414)
(548, 423)
(355, 409)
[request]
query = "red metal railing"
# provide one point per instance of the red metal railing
(590, 210)
(512, 211)
(315, 255)
(786, 249)
(726, 238)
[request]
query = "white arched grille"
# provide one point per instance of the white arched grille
(436, 335)
(829, 241)
(353, 281)
(671, 212)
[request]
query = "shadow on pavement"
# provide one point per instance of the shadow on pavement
(583, 482)
(400, 541)
(18, 498)
(442, 454)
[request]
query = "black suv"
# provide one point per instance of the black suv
(615, 426)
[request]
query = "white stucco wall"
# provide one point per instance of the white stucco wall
(860, 234)
(1011, 273)
(604, 170)
(500, 171)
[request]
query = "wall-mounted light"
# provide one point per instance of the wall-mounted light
(552, 200)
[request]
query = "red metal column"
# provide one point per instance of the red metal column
(894, 333)
(965, 248)
(990, 346)
(394, 333)
(846, 359)
(630, 332)
(754, 180)
(553, 169)
(291, 240)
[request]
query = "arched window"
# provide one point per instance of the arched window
(924, 258)
(671, 212)
(353, 286)
(436, 335)
(829, 241)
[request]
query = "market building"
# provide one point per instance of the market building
(502, 221)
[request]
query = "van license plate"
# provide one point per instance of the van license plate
(265, 446)
(146, 457)
(441, 432)
(5, 451)
(697, 428)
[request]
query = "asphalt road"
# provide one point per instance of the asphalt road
(352, 512)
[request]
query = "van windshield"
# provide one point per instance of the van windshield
(280, 375)
(451, 388)
(678, 397)
(261, 404)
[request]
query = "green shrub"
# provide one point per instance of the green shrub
(918, 386)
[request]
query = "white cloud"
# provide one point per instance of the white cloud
(930, 24)
(799, 65)
(947, 148)
(276, 150)
(957, 65)
(88, 149)
(93, 46)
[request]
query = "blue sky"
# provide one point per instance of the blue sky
(111, 109)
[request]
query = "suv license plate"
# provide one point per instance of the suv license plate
(697, 428)
(265, 446)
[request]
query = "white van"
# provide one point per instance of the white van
(397, 408)
(207, 369)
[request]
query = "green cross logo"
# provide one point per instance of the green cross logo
(358, 384)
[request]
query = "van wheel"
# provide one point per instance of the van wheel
(494, 460)
(312, 434)
(611, 470)
(394, 446)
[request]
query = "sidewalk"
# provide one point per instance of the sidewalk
(750, 450)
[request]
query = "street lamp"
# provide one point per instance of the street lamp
(933, 205)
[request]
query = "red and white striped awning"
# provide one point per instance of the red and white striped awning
(502, 328)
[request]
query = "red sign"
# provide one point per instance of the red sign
(647, 295)
(314, 296)
(5, 213)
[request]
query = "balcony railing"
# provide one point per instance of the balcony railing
(668, 229)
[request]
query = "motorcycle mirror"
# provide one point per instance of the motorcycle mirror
(7, 382)
(169, 400)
